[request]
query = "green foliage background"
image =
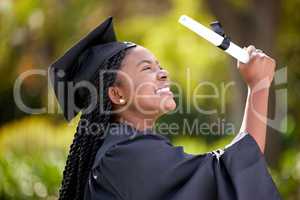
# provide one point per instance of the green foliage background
(33, 148)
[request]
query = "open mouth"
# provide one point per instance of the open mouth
(164, 91)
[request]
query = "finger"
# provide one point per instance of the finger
(260, 54)
(251, 51)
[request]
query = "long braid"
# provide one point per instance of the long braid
(71, 168)
(85, 144)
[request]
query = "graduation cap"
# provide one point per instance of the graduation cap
(80, 63)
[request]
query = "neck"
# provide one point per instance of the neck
(137, 121)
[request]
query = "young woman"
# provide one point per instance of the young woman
(121, 90)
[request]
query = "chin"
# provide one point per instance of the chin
(156, 106)
(168, 106)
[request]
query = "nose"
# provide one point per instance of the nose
(163, 74)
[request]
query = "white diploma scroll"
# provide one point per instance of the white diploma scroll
(214, 38)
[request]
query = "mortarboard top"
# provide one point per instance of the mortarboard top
(81, 62)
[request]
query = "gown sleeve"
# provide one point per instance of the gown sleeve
(150, 168)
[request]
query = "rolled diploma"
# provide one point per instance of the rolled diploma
(214, 38)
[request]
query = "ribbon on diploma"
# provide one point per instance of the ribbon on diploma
(217, 27)
(216, 36)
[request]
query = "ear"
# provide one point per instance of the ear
(115, 94)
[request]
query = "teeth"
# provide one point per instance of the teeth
(165, 89)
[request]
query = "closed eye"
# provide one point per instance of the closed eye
(146, 68)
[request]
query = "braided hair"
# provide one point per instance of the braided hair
(86, 144)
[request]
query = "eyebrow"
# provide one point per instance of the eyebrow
(147, 61)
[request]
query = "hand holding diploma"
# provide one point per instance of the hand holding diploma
(258, 73)
(254, 65)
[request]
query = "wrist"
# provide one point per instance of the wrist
(260, 85)
(258, 94)
(253, 90)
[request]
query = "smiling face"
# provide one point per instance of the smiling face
(142, 85)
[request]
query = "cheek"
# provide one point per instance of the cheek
(146, 100)
(145, 97)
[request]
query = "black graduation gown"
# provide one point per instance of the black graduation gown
(135, 165)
